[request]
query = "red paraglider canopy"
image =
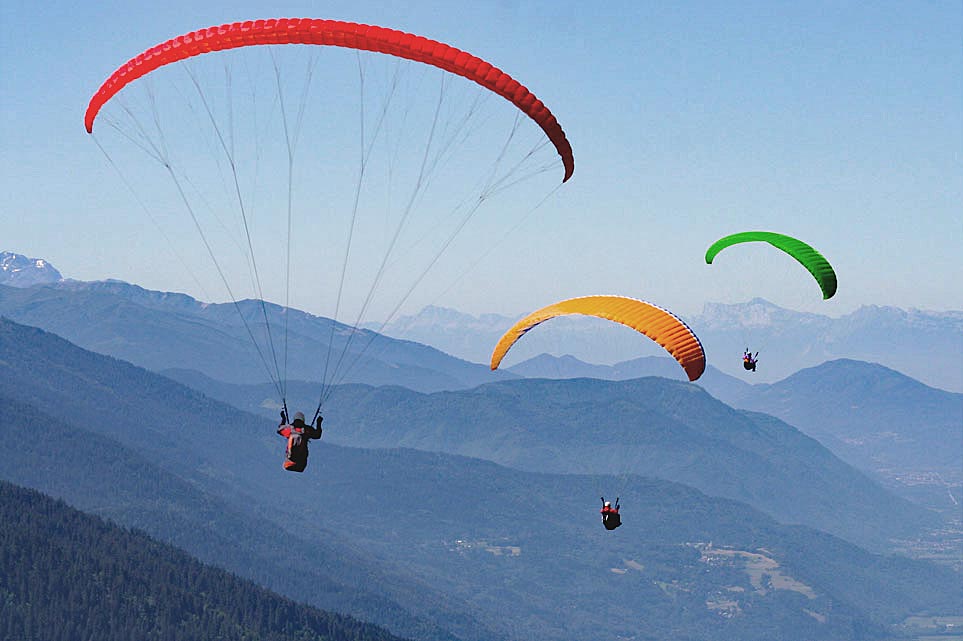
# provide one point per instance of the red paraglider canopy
(336, 33)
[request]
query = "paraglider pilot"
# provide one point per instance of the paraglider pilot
(749, 361)
(297, 433)
(610, 514)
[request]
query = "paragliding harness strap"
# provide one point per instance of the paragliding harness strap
(749, 361)
(296, 456)
(612, 519)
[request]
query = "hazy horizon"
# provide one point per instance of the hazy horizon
(479, 315)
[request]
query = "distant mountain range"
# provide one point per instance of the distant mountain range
(925, 345)
(649, 426)
(905, 433)
(878, 417)
(428, 542)
(160, 330)
(249, 341)
(112, 317)
(872, 416)
(174, 332)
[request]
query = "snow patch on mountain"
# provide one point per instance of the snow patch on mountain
(17, 270)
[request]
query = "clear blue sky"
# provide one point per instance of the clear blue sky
(839, 123)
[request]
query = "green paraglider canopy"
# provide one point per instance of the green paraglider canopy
(808, 257)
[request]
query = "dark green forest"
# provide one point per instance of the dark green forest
(66, 576)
